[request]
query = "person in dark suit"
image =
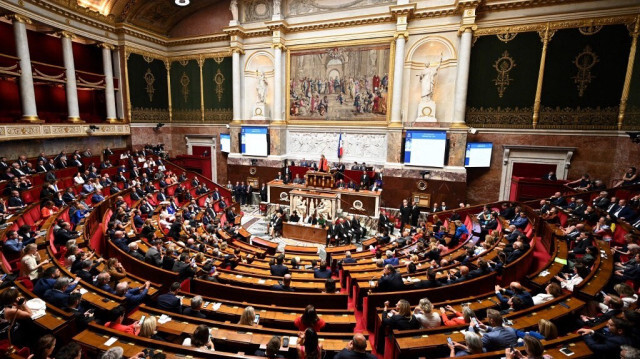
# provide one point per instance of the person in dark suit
(405, 214)
(263, 192)
(551, 176)
(400, 318)
(356, 349)
(195, 309)
(81, 317)
(285, 286)
(606, 343)
(348, 258)
(558, 200)
(383, 222)
(169, 301)
(415, 214)
(332, 233)
(322, 271)
(602, 201)
(64, 234)
(277, 225)
(154, 254)
(622, 211)
(279, 269)
(390, 281)
(430, 282)
(58, 295)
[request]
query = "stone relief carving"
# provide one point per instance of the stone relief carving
(302, 7)
(257, 10)
(357, 147)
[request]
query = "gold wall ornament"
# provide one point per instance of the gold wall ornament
(219, 80)
(148, 59)
(506, 37)
(184, 81)
(150, 79)
(590, 30)
(585, 61)
(184, 63)
(218, 59)
(503, 66)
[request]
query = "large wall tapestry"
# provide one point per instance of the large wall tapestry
(217, 86)
(502, 80)
(148, 92)
(584, 76)
(185, 91)
(339, 83)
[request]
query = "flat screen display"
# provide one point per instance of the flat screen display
(254, 141)
(425, 148)
(478, 154)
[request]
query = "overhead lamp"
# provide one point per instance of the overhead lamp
(183, 2)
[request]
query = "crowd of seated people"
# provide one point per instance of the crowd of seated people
(190, 229)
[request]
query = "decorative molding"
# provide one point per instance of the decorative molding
(11, 132)
(555, 25)
(368, 147)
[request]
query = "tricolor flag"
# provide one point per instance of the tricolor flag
(340, 149)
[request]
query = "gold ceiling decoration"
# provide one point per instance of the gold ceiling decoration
(590, 30)
(506, 37)
(503, 66)
(585, 61)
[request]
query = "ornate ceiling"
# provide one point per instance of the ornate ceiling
(159, 16)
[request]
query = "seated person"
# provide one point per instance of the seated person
(117, 317)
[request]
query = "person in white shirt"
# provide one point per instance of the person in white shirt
(78, 179)
(553, 290)
(569, 281)
(425, 314)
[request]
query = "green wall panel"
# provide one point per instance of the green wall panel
(147, 89)
(185, 91)
(217, 88)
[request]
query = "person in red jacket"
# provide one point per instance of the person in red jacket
(309, 319)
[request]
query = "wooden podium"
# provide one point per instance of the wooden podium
(319, 179)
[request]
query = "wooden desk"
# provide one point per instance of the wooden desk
(311, 234)
(355, 202)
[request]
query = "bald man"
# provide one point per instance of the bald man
(356, 349)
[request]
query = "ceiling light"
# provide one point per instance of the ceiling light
(183, 2)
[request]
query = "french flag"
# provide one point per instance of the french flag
(340, 148)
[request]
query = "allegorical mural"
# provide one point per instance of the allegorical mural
(340, 83)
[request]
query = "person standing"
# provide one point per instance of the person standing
(405, 214)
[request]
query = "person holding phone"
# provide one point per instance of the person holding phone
(18, 314)
(497, 336)
(308, 345)
(473, 345)
(248, 316)
(533, 347)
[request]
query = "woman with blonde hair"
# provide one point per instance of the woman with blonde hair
(546, 331)
(399, 318)
(148, 328)
(425, 314)
(31, 262)
(551, 291)
(248, 316)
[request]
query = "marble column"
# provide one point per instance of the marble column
(462, 78)
(71, 87)
(117, 72)
(398, 69)
(237, 111)
(27, 93)
(277, 95)
(109, 92)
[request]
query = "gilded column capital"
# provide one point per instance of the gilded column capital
(404, 34)
(279, 46)
(19, 18)
(201, 61)
(468, 21)
(547, 34)
(238, 50)
(104, 45)
(67, 34)
(167, 65)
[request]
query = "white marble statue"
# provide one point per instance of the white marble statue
(428, 80)
(261, 87)
(276, 7)
(233, 7)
